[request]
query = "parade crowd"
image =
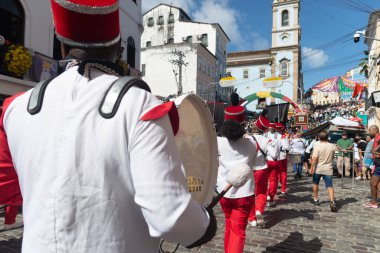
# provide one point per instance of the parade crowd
(325, 113)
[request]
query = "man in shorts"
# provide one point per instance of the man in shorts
(322, 167)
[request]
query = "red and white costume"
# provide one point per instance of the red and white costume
(273, 157)
(260, 172)
(237, 202)
(95, 184)
(283, 161)
(99, 185)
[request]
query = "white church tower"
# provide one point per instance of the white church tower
(286, 50)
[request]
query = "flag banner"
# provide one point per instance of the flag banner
(278, 111)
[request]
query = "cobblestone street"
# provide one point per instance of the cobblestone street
(294, 225)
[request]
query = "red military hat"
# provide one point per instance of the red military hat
(234, 112)
(262, 123)
(86, 23)
(279, 127)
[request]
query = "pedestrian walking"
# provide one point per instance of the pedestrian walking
(98, 166)
(297, 150)
(367, 158)
(322, 167)
(237, 203)
(345, 146)
(375, 179)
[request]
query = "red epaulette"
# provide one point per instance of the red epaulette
(161, 110)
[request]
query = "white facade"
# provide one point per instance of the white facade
(162, 75)
(167, 25)
(373, 31)
(39, 35)
(283, 59)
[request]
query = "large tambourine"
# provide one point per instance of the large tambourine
(197, 144)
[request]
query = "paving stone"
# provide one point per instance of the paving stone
(294, 225)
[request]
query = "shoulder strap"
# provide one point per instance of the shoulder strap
(37, 97)
(111, 100)
(257, 143)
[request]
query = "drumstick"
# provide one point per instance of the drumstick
(236, 177)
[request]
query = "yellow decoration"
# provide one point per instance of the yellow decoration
(263, 94)
(18, 60)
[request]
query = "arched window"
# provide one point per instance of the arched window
(284, 68)
(285, 18)
(12, 20)
(131, 52)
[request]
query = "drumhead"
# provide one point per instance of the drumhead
(197, 144)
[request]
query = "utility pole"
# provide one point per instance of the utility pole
(179, 62)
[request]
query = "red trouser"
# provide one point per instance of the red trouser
(283, 173)
(236, 212)
(10, 214)
(261, 186)
(273, 178)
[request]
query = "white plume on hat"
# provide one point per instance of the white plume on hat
(239, 175)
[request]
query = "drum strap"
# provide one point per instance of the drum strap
(257, 143)
(111, 100)
(37, 97)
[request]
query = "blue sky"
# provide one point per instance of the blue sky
(327, 27)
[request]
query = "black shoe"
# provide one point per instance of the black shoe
(316, 202)
(295, 175)
(299, 175)
(333, 207)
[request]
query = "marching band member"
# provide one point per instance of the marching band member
(98, 175)
(234, 111)
(237, 202)
(283, 161)
(273, 157)
(260, 172)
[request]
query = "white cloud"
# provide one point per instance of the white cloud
(213, 11)
(259, 42)
(186, 5)
(314, 58)
(221, 12)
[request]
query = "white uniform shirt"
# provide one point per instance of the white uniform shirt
(98, 185)
(261, 161)
(284, 146)
(232, 153)
(273, 146)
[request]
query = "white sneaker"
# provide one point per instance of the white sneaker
(253, 223)
(357, 177)
(268, 198)
(260, 219)
(17, 224)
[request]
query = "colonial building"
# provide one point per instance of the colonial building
(30, 23)
(283, 59)
(193, 53)
(373, 42)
